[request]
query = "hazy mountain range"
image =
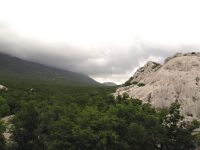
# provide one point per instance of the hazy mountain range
(109, 84)
(15, 69)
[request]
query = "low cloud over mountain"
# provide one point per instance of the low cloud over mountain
(92, 38)
(104, 63)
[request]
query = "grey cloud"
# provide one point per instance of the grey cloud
(108, 62)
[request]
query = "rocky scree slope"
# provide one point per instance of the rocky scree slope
(177, 79)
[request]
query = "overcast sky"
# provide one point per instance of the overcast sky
(106, 39)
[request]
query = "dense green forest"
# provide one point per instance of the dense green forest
(59, 117)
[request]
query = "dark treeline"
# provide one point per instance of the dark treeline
(50, 117)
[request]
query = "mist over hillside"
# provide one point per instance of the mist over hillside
(99, 75)
(13, 68)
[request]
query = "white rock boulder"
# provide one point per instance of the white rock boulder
(3, 88)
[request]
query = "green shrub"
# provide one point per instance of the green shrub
(2, 139)
(4, 108)
(140, 84)
(127, 83)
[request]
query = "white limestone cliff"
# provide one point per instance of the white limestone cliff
(177, 79)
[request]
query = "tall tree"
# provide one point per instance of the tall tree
(179, 132)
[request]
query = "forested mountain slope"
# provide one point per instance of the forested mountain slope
(15, 69)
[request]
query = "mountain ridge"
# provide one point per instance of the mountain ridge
(109, 84)
(12, 68)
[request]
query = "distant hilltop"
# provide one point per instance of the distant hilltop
(18, 70)
(109, 84)
(161, 84)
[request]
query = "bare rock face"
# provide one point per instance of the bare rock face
(142, 74)
(7, 134)
(177, 79)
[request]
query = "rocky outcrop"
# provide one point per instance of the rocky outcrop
(7, 134)
(141, 75)
(177, 79)
(3, 88)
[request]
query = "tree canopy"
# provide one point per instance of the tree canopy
(88, 118)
